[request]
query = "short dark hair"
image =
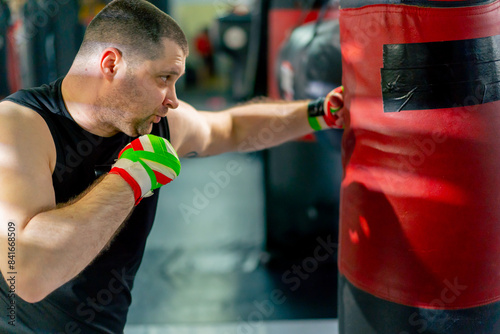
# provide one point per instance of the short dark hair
(136, 26)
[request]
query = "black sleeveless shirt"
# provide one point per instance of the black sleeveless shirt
(97, 300)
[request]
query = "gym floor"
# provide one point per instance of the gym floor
(205, 269)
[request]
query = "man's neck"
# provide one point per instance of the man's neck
(80, 95)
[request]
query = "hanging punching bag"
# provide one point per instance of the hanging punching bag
(420, 197)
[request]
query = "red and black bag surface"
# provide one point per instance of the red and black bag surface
(420, 198)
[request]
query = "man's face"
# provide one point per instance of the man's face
(147, 92)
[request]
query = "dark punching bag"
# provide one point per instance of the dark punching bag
(420, 196)
(308, 66)
(309, 63)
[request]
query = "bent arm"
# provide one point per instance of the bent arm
(57, 244)
(244, 128)
(53, 243)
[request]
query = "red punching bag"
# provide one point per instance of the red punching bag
(420, 198)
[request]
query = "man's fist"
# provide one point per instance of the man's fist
(147, 163)
(334, 104)
(325, 113)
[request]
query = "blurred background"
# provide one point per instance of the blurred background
(242, 243)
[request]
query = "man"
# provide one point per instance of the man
(72, 241)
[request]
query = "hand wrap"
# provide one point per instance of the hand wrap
(322, 112)
(147, 163)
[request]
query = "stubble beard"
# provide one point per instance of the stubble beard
(144, 127)
(113, 111)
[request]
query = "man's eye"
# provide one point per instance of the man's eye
(164, 78)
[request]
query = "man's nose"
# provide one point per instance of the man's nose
(171, 100)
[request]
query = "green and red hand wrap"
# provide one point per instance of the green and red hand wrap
(147, 163)
(322, 113)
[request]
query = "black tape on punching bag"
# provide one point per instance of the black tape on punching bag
(441, 75)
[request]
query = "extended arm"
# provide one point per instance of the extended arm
(244, 128)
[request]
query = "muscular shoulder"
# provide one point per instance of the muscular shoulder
(198, 133)
(186, 128)
(24, 129)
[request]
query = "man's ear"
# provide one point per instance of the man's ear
(111, 62)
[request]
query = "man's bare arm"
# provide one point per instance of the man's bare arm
(244, 128)
(53, 244)
(252, 126)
